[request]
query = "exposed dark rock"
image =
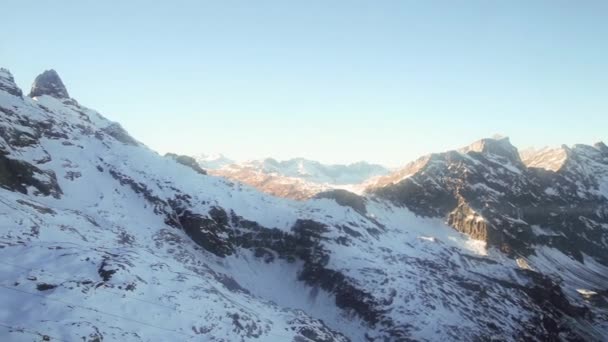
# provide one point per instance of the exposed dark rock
(16, 137)
(314, 331)
(351, 231)
(187, 161)
(212, 231)
(117, 132)
(205, 232)
(72, 175)
(230, 283)
(431, 201)
(45, 286)
(305, 243)
(39, 208)
(104, 270)
(549, 295)
(140, 188)
(7, 83)
(49, 83)
(17, 175)
(550, 303)
(485, 191)
(346, 199)
(466, 220)
(246, 326)
(219, 215)
(602, 147)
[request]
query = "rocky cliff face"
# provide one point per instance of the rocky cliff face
(49, 83)
(187, 161)
(120, 243)
(7, 83)
(486, 191)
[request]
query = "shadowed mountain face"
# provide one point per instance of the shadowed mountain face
(104, 239)
(49, 83)
(486, 191)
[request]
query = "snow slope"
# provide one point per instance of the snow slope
(103, 239)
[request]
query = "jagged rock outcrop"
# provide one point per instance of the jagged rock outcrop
(187, 161)
(468, 221)
(601, 146)
(499, 147)
(7, 83)
(18, 175)
(49, 83)
(345, 198)
(116, 131)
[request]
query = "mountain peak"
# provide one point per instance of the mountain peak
(49, 83)
(213, 161)
(7, 83)
(548, 158)
(498, 145)
(600, 145)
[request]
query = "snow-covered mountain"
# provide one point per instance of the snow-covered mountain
(315, 172)
(103, 239)
(487, 191)
(213, 161)
(296, 178)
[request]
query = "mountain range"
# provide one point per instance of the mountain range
(296, 178)
(103, 239)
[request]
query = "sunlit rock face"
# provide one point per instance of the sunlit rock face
(296, 178)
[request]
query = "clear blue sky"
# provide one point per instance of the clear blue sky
(337, 81)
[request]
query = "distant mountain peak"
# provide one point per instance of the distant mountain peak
(498, 146)
(548, 158)
(601, 146)
(213, 161)
(295, 178)
(49, 83)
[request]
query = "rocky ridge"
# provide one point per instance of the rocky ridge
(121, 243)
